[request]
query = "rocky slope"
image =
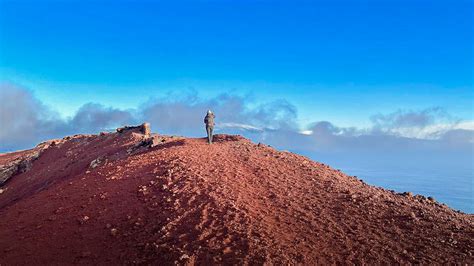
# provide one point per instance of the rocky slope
(131, 198)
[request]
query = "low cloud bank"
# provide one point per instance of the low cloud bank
(25, 121)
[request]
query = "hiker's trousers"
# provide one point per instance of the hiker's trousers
(209, 130)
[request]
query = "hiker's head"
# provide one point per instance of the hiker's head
(209, 112)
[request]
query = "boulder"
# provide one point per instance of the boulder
(24, 162)
(7, 171)
(96, 162)
(143, 129)
(152, 141)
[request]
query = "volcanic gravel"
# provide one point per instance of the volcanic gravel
(110, 199)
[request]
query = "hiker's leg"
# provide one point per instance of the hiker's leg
(212, 136)
(209, 134)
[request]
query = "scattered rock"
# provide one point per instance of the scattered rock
(227, 250)
(24, 162)
(83, 219)
(420, 197)
(143, 190)
(114, 231)
(96, 162)
(184, 257)
(204, 203)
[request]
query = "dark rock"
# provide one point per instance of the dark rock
(152, 141)
(24, 163)
(7, 171)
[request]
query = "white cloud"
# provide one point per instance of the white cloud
(239, 126)
(26, 121)
(306, 132)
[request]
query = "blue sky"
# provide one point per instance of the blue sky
(364, 57)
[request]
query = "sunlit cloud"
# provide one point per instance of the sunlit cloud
(26, 121)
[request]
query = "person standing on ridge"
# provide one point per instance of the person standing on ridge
(209, 121)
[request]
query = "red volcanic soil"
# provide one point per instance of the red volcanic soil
(233, 202)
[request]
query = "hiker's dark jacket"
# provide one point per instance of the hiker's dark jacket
(209, 120)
